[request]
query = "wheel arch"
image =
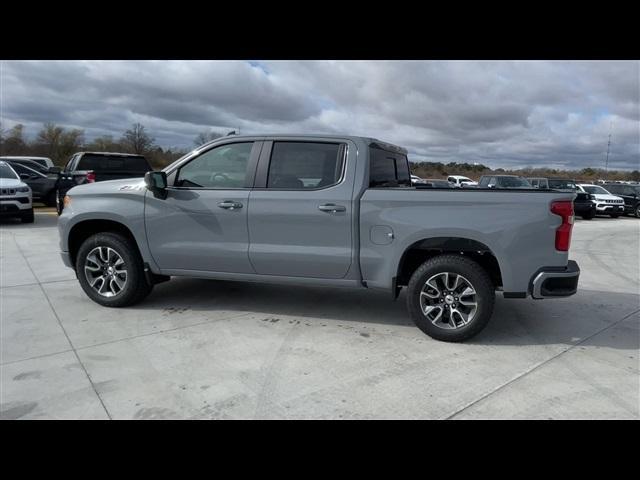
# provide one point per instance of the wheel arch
(422, 250)
(86, 228)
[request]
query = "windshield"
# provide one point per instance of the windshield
(562, 184)
(7, 172)
(511, 182)
(595, 190)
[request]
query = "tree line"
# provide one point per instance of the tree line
(59, 143)
(475, 171)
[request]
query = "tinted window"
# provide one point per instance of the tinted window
(20, 169)
(6, 172)
(562, 184)
(388, 169)
(301, 165)
(613, 188)
(221, 167)
(484, 181)
(511, 182)
(115, 162)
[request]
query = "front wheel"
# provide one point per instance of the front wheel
(588, 216)
(450, 298)
(110, 270)
(637, 212)
(614, 215)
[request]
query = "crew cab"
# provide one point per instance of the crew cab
(334, 211)
(90, 167)
(606, 204)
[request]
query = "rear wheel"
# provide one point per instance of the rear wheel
(450, 298)
(110, 270)
(637, 212)
(588, 216)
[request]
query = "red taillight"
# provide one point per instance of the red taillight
(563, 208)
(91, 177)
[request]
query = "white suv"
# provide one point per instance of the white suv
(15, 195)
(459, 181)
(606, 204)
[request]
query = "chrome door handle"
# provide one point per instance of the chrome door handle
(228, 205)
(330, 207)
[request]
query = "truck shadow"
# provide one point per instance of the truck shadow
(515, 322)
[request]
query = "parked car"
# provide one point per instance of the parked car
(15, 195)
(320, 210)
(42, 181)
(43, 161)
(538, 182)
(415, 180)
(503, 181)
(90, 167)
(459, 181)
(629, 193)
(606, 204)
(583, 204)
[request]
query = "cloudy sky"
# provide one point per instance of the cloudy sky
(502, 114)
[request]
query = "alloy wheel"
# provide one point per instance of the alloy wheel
(105, 271)
(448, 300)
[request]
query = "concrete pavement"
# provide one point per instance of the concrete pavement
(214, 349)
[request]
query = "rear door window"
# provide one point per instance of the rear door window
(305, 165)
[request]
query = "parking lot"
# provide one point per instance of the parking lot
(217, 349)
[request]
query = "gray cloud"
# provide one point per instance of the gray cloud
(504, 114)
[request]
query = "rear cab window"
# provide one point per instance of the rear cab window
(388, 169)
(113, 163)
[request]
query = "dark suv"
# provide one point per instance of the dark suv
(89, 167)
(630, 194)
(503, 181)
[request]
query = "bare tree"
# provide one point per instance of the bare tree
(14, 143)
(106, 143)
(48, 139)
(204, 137)
(137, 140)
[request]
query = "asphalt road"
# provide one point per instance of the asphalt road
(214, 349)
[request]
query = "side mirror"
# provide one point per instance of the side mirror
(54, 170)
(157, 183)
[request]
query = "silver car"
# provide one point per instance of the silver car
(15, 195)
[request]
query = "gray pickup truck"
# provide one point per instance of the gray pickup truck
(335, 211)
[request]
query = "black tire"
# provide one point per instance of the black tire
(50, 199)
(59, 204)
(588, 216)
(470, 270)
(637, 211)
(136, 287)
(614, 215)
(27, 217)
